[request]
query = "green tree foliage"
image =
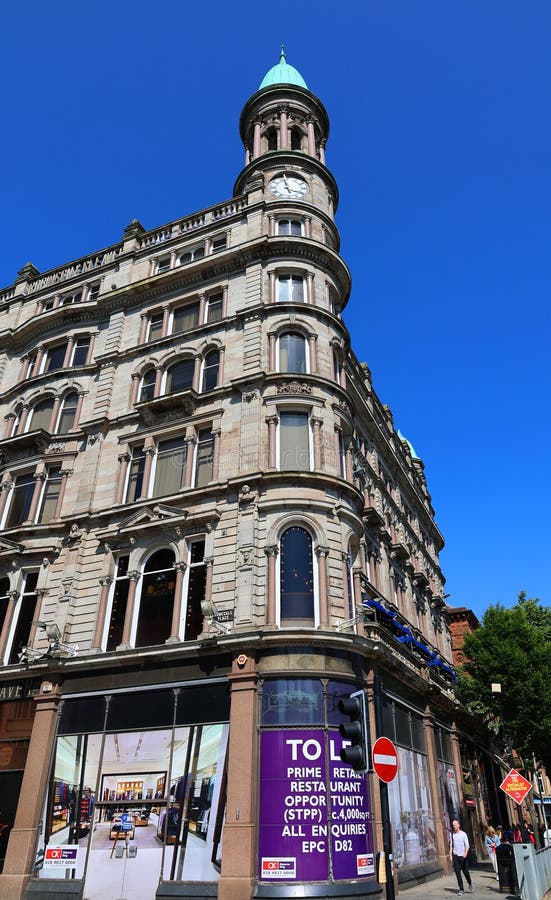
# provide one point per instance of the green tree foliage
(513, 647)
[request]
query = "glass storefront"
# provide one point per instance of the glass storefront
(137, 792)
(447, 779)
(409, 796)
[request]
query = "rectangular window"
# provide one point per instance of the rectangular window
(163, 265)
(170, 469)
(80, 351)
(135, 474)
(290, 288)
(50, 494)
(214, 307)
(25, 615)
(294, 441)
(156, 326)
(22, 495)
(55, 358)
(94, 291)
(185, 317)
(197, 576)
(219, 243)
(205, 457)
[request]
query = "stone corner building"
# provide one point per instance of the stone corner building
(211, 531)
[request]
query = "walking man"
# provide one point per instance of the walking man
(459, 851)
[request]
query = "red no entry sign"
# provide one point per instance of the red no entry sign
(385, 759)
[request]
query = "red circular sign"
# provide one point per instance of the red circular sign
(385, 759)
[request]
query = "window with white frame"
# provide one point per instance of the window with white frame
(204, 462)
(191, 255)
(50, 494)
(211, 365)
(179, 377)
(296, 577)
(292, 353)
(136, 472)
(290, 288)
(163, 264)
(155, 329)
(185, 317)
(215, 305)
(219, 243)
(294, 441)
(20, 498)
(195, 583)
(290, 227)
(80, 351)
(94, 290)
(169, 466)
(25, 612)
(40, 415)
(147, 386)
(68, 299)
(119, 603)
(156, 600)
(54, 358)
(4, 600)
(67, 413)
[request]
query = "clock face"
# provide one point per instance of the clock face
(288, 187)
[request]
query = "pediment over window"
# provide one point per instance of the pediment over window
(154, 513)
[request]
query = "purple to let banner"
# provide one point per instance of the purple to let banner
(303, 825)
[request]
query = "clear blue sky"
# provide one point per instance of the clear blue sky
(440, 143)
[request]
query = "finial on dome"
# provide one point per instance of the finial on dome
(282, 54)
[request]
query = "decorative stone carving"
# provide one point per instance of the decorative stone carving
(294, 387)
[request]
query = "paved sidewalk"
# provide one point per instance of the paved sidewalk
(486, 886)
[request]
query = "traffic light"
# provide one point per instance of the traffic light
(355, 731)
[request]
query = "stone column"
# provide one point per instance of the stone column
(26, 360)
(69, 351)
(313, 345)
(133, 578)
(149, 452)
(38, 361)
(239, 857)
(308, 226)
(310, 288)
(90, 354)
(215, 452)
(440, 827)
(124, 459)
(322, 553)
(272, 353)
(166, 317)
(316, 432)
(271, 554)
(177, 608)
(271, 226)
(283, 128)
(311, 137)
(105, 583)
(190, 455)
(143, 328)
(134, 389)
(256, 139)
(13, 597)
(40, 478)
(272, 291)
(196, 374)
(10, 423)
(202, 308)
(21, 851)
(272, 424)
(208, 588)
(23, 420)
(357, 600)
(54, 416)
(158, 382)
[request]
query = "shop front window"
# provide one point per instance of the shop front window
(141, 803)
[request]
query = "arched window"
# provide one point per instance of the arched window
(119, 601)
(180, 376)
(41, 415)
(296, 593)
(292, 353)
(68, 412)
(289, 226)
(211, 365)
(154, 623)
(147, 386)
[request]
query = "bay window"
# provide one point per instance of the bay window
(20, 500)
(292, 353)
(179, 377)
(294, 441)
(170, 466)
(205, 457)
(50, 494)
(296, 588)
(211, 365)
(67, 415)
(290, 288)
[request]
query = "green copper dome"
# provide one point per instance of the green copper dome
(283, 73)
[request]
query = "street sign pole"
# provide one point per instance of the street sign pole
(385, 812)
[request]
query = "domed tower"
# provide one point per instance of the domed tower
(284, 128)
